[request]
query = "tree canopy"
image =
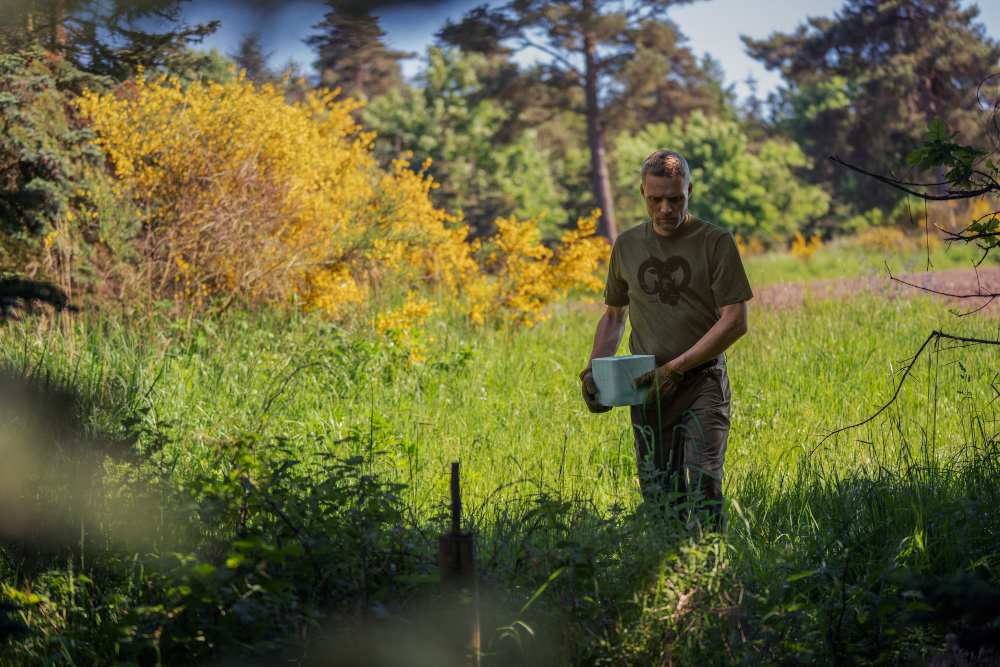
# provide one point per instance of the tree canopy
(863, 84)
(352, 56)
(450, 121)
(106, 37)
(749, 194)
(251, 58)
(599, 49)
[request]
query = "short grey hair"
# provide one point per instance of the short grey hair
(666, 163)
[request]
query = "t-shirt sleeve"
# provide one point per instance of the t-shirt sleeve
(729, 280)
(616, 288)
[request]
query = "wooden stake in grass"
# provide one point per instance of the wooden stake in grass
(457, 561)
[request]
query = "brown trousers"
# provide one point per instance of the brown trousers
(681, 446)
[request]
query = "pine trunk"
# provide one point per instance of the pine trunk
(600, 177)
(56, 23)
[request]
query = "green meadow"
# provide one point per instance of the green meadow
(831, 553)
(844, 258)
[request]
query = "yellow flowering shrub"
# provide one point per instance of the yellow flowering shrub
(888, 239)
(401, 327)
(749, 248)
(246, 194)
(803, 249)
(523, 276)
(242, 194)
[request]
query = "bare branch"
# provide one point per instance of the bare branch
(896, 184)
(984, 295)
(525, 42)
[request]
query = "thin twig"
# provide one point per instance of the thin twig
(987, 295)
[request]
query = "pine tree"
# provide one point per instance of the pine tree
(593, 44)
(662, 82)
(250, 57)
(864, 84)
(103, 37)
(352, 56)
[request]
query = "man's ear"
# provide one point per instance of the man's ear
(642, 189)
(690, 187)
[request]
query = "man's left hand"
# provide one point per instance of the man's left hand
(664, 380)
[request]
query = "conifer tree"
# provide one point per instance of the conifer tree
(591, 43)
(104, 37)
(352, 56)
(250, 57)
(864, 84)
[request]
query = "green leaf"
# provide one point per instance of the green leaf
(919, 606)
(205, 570)
(802, 575)
(915, 157)
(937, 130)
(540, 590)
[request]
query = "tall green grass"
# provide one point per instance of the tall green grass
(843, 258)
(817, 528)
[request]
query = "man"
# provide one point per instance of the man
(682, 283)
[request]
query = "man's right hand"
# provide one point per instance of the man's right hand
(589, 389)
(664, 381)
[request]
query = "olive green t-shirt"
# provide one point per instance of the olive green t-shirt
(674, 286)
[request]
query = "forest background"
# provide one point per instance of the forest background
(550, 143)
(378, 248)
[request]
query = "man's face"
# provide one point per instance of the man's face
(666, 201)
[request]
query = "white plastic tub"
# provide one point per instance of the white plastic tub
(613, 377)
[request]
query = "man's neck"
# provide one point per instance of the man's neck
(676, 231)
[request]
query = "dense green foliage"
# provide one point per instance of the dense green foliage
(450, 122)
(863, 84)
(751, 195)
(46, 154)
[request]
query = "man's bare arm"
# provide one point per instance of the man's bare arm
(610, 330)
(729, 329)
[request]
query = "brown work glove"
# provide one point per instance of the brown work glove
(664, 380)
(589, 389)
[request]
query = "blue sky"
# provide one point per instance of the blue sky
(712, 26)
